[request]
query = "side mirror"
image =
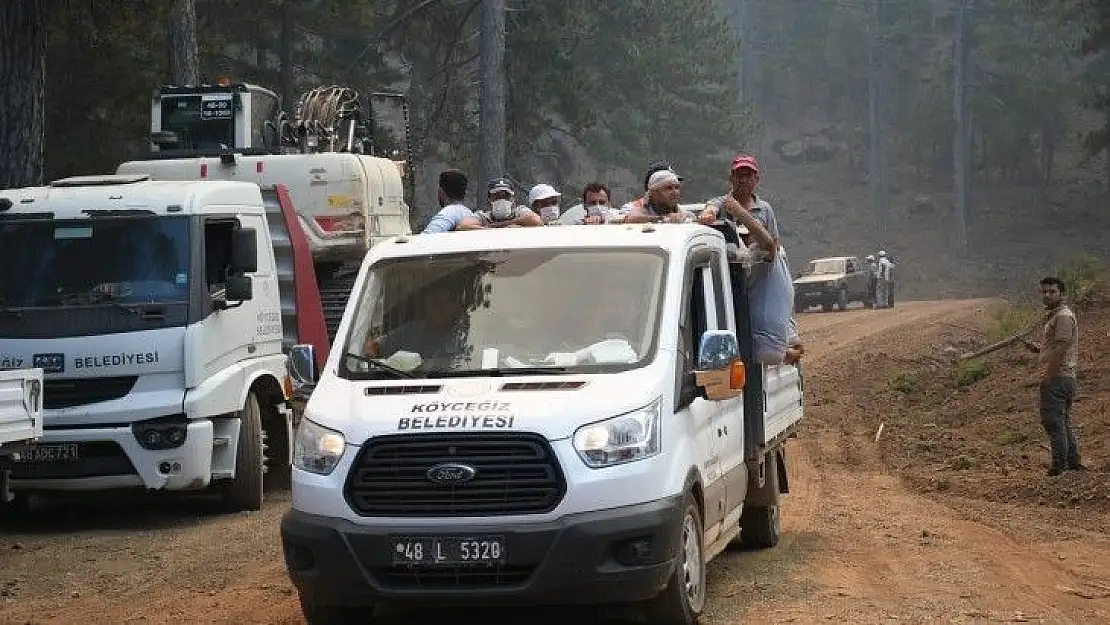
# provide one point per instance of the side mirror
(717, 350)
(244, 251)
(720, 371)
(300, 365)
(239, 289)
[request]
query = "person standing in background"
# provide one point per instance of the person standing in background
(1058, 358)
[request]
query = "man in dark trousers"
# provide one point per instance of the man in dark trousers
(1058, 357)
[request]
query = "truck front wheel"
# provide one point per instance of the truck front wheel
(684, 598)
(244, 492)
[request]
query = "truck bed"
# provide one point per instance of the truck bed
(20, 407)
(773, 391)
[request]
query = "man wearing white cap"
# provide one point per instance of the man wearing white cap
(664, 192)
(543, 199)
(503, 211)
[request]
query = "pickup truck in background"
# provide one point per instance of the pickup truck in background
(833, 281)
(20, 419)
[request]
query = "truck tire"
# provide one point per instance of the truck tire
(317, 614)
(244, 492)
(684, 598)
(799, 308)
(759, 527)
(17, 509)
(842, 298)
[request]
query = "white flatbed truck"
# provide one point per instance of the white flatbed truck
(588, 427)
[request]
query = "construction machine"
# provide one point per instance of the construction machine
(349, 179)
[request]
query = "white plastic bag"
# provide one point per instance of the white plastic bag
(771, 302)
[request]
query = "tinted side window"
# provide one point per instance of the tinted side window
(217, 254)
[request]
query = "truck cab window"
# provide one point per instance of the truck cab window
(694, 321)
(217, 254)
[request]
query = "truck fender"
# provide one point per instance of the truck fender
(693, 484)
(276, 421)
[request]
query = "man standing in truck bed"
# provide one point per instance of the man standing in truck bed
(1059, 355)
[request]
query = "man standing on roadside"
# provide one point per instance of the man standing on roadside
(1057, 361)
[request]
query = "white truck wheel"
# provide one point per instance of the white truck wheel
(244, 492)
(684, 598)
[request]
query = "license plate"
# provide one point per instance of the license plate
(62, 452)
(814, 293)
(447, 551)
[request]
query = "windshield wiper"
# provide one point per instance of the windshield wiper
(498, 373)
(8, 310)
(378, 364)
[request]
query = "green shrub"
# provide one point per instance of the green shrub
(905, 383)
(1083, 276)
(971, 371)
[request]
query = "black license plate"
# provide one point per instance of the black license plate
(447, 550)
(62, 452)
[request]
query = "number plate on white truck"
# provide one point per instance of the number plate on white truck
(447, 550)
(65, 452)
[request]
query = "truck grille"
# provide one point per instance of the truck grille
(514, 474)
(67, 393)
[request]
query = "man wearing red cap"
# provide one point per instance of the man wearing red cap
(744, 180)
(770, 288)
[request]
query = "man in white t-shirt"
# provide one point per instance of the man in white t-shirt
(454, 214)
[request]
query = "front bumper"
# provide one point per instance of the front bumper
(620, 555)
(810, 295)
(111, 457)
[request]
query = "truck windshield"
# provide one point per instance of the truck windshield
(817, 267)
(93, 262)
(507, 312)
(201, 122)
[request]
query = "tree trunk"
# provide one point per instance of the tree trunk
(22, 80)
(491, 121)
(184, 56)
(1048, 150)
(286, 54)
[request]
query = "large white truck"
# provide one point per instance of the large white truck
(348, 191)
(159, 313)
(20, 413)
(536, 416)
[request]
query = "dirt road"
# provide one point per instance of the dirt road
(858, 545)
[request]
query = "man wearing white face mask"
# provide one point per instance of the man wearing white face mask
(544, 201)
(503, 211)
(594, 209)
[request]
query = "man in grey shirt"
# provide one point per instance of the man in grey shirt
(744, 179)
(1058, 360)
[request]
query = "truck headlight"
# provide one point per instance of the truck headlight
(317, 449)
(629, 437)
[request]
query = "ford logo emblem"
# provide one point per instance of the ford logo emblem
(451, 474)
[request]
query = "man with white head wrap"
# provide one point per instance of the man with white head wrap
(664, 192)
